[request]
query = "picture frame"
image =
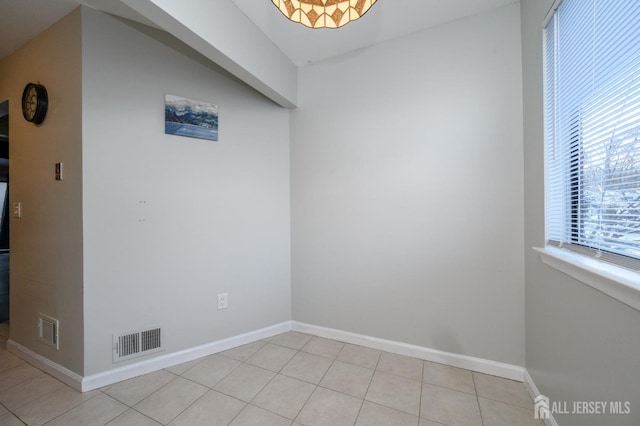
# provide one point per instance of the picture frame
(190, 118)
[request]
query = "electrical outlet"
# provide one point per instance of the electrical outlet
(223, 301)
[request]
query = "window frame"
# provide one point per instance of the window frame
(611, 273)
(571, 152)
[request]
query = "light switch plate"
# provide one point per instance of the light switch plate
(17, 209)
(223, 301)
(59, 170)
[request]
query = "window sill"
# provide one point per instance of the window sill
(619, 283)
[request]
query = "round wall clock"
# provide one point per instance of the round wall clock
(34, 103)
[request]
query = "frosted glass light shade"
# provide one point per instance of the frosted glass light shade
(323, 13)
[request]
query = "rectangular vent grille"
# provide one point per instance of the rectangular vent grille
(136, 343)
(48, 330)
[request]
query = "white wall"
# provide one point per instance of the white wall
(216, 214)
(407, 190)
(581, 345)
(220, 31)
(46, 243)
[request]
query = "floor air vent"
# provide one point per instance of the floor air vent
(136, 343)
(48, 330)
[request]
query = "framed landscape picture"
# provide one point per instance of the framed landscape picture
(191, 118)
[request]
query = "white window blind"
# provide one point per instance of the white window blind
(592, 129)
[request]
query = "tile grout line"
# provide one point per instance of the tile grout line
(355, 421)
(241, 363)
(23, 381)
(317, 385)
(133, 409)
(177, 376)
(501, 401)
(307, 400)
(264, 387)
(270, 380)
(244, 362)
(364, 398)
(477, 398)
(424, 366)
(188, 406)
(438, 385)
(76, 406)
(375, 370)
(43, 397)
(148, 396)
(298, 350)
(212, 388)
(17, 366)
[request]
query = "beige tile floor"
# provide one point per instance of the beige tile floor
(290, 379)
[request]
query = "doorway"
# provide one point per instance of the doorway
(4, 219)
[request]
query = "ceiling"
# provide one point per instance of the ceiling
(387, 19)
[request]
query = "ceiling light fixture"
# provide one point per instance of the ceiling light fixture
(323, 13)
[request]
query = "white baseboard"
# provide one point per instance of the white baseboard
(59, 372)
(534, 393)
(95, 381)
(129, 371)
(507, 371)
(98, 380)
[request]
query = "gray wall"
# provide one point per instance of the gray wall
(46, 243)
(407, 190)
(216, 214)
(581, 344)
